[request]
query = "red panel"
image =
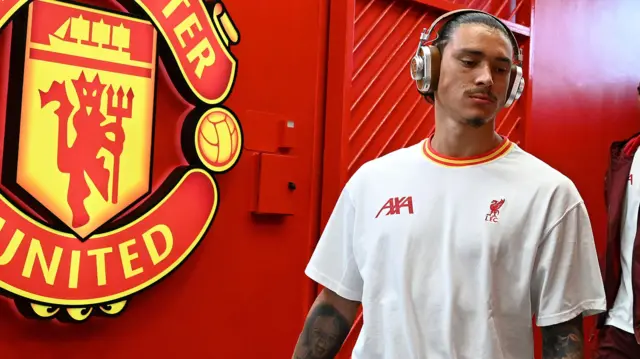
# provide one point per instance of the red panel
(275, 192)
(242, 294)
(266, 127)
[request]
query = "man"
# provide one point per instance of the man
(451, 245)
(620, 325)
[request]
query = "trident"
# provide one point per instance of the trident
(119, 111)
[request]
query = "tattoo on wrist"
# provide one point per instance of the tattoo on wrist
(324, 332)
(563, 341)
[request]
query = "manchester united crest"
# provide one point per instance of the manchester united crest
(82, 227)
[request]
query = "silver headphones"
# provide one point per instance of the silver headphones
(425, 65)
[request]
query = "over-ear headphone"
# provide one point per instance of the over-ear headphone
(425, 65)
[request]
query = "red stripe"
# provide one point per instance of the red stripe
(489, 156)
(84, 62)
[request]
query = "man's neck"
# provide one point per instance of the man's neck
(454, 139)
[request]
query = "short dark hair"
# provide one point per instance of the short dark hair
(448, 29)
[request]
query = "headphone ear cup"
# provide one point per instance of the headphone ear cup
(434, 71)
(425, 69)
(516, 86)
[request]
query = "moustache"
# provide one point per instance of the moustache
(475, 92)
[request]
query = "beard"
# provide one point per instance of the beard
(475, 122)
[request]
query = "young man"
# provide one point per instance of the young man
(620, 325)
(452, 245)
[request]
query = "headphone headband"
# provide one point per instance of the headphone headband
(425, 64)
(514, 42)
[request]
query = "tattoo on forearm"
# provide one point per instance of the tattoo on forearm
(324, 332)
(563, 341)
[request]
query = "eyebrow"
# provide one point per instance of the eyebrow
(480, 53)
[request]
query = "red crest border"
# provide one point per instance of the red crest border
(149, 231)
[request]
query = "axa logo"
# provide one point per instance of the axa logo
(394, 205)
(88, 215)
(494, 211)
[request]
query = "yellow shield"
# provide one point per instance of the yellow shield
(86, 120)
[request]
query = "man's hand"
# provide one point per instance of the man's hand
(326, 327)
(564, 340)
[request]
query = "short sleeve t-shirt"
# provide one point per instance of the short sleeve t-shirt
(451, 258)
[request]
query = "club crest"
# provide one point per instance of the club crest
(86, 219)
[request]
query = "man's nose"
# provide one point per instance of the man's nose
(484, 76)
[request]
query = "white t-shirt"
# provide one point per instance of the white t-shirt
(621, 314)
(451, 258)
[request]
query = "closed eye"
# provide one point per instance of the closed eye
(468, 63)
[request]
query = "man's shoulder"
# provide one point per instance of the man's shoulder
(392, 161)
(398, 157)
(384, 170)
(547, 179)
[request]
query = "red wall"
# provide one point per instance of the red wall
(243, 294)
(584, 91)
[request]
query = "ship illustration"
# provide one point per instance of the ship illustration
(93, 39)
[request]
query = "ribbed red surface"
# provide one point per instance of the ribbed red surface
(386, 112)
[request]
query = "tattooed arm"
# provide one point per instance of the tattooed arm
(326, 327)
(564, 340)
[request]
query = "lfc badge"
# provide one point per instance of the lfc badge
(81, 228)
